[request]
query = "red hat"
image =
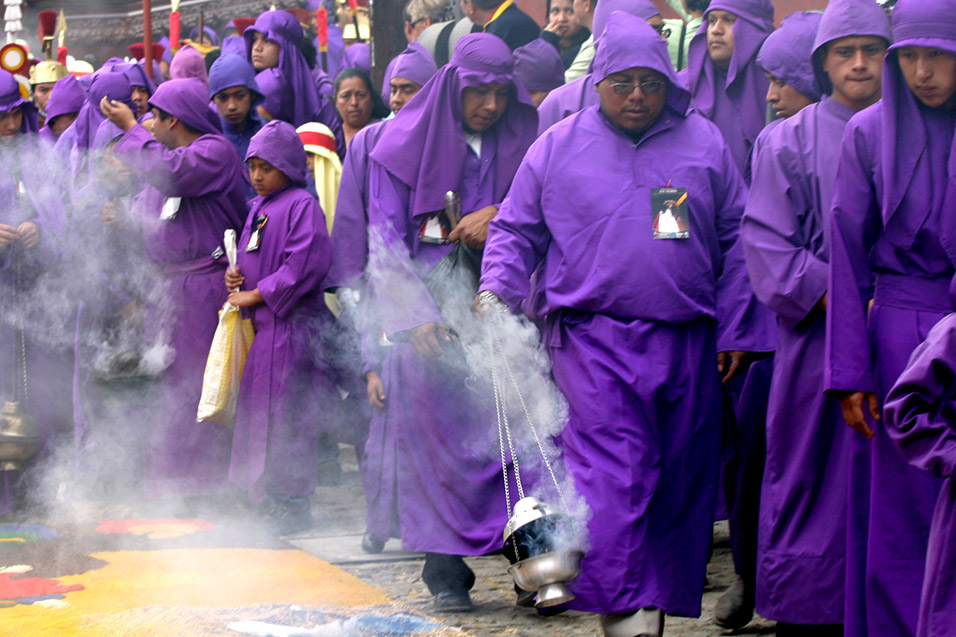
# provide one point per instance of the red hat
(46, 21)
(242, 24)
(61, 53)
(138, 51)
(302, 15)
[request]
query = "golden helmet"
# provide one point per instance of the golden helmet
(47, 71)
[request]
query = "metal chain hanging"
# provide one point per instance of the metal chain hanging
(20, 341)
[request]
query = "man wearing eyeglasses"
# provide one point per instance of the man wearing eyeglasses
(728, 86)
(634, 317)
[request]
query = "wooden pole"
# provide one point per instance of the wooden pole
(387, 35)
(148, 37)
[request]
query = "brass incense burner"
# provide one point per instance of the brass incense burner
(19, 437)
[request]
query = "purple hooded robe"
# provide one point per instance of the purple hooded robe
(31, 195)
(187, 457)
(67, 97)
(802, 536)
(735, 100)
(359, 56)
(538, 66)
(641, 448)
(308, 106)
(579, 94)
(434, 490)
(350, 228)
(893, 186)
(283, 395)
(920, 416)
(188, 62)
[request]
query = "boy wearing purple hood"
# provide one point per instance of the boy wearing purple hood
(284, 254)
(803, 514)
(891, 263)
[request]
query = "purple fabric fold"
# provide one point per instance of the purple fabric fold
(786, 53)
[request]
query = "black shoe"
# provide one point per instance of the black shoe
(371, 543)
(453, 602)
(287, 518)
(735, 608)
(525, 599)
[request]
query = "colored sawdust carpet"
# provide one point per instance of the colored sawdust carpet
(169, 576)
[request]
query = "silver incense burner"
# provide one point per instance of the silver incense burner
(19, 437)
(541, 562)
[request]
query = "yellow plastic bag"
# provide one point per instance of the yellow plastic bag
(224, 367)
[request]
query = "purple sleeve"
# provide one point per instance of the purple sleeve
(743, 323)
(189, 171)
(330, 117)
(517, 237)
(402, 298)
(920, 410)
(786, 276)
(854, 222)
(350, 227)
(305, 260)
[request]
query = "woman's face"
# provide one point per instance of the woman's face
(354, 102)
(562, 15)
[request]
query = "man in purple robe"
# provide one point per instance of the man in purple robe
(580, 93)
(195, 193)
(803, 513)
(273, 43)
(727, 85)
(538, 66)
(62, 109)
(33, 226)
(635, 316)
(441, 484)
(283, 394)
(233, 89)
(888, 284)
(920, 415)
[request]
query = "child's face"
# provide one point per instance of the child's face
(265, 177)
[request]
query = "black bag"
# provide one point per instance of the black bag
(453, 283)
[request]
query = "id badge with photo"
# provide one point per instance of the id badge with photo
(671, 215)
(255, 239)
(170, 208)
(435, 229)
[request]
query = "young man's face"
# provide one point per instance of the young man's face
(855, 67)
(10, 123)
(234, 104)
(265, 177)
(140, 97)
(720, 36)
(41, 94)
(785, 100)
(482, 106)
(62, 122)
(265, 52)
(930, 74)
(633, 99)
(400, 92)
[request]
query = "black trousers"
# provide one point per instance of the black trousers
(447, 573)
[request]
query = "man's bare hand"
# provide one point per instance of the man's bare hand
(118, 113)
(376, 390)
(112, 214)
(28, 234)
(234, 279)
(731, 364)
(852, 405)
(426, 340)
(251, 298)
(8, 235)
(472, 230)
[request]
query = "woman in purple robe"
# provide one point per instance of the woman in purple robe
(888, 285)
(284, 253)
(579, 94)
(196, 191)
(920, 416)
(728, 86)
(642, 446)
(803, 512)
(440, 490)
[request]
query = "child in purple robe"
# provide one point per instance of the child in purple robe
(284, 254)
(66, 100)
(803, 513)
(889, 276)
(921, 419)
(634, 324)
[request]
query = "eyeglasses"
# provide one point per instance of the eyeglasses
(647, 88)
(664, 31)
